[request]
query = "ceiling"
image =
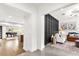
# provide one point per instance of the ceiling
(11, 14)
(67, 12)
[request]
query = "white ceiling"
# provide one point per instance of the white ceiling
(11, 14)
(47, 4)
(7, 11)
(67, 12)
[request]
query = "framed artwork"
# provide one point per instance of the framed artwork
(63, 26)
(68, 26)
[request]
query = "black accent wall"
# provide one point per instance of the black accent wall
(51, 27)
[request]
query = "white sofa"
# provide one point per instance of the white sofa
(60, 37)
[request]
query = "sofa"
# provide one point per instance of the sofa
(72, 36)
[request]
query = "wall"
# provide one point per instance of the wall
(69, 20)
(3, 32)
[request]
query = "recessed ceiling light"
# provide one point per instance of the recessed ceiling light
(63, 13)
(61, 9)
(10, 16)
(6, 23)
(71, 15)
(76, 15)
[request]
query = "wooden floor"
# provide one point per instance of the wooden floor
(10, 47)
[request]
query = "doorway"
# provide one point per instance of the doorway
(11, 38)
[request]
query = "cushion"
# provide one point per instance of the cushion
(77, 35)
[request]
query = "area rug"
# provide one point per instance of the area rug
(68, 46)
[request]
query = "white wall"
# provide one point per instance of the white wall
(3, 32)
(69, 20)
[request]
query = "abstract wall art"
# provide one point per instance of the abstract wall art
(68, 26)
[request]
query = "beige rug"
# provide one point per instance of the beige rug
(68, 46)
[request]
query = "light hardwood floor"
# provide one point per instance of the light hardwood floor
(10, 47)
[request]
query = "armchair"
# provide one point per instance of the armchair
(60, 37)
